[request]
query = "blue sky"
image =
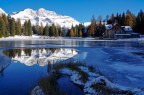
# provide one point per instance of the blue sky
(81, 10)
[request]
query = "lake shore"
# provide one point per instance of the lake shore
(46, 38)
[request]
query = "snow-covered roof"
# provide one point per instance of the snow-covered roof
(108, 26)
(127, 28)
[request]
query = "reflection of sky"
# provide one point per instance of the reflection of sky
(18, 79)
(4, 61)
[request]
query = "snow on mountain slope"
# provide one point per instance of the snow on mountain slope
(86, 24)
(2, 11)
(45, 17)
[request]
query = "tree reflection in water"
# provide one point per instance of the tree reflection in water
(1, 71)
(40, 56)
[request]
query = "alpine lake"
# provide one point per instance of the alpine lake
(24, 62)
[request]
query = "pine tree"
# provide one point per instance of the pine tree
(18, 27)
(41, 29)
(53, 30)
(46, 30)
(2, 27)
(138, 27)
(56, 32)
(71, 33)
(1, 34)
(123, 19)
(35, 29)
(25, 28)
(29, 26)
(75, 32)
(5, 18)
(12, 27)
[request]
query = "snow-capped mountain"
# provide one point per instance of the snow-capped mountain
(2, 11)
(45, 17)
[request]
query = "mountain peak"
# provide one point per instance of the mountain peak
(44, 12)
(45, 17)
(41, 9)
(28, 9)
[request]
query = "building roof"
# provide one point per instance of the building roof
(127, 28)
(108, 26)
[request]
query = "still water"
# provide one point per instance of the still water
(22, 62)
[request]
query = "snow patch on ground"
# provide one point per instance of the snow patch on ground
(93, 79)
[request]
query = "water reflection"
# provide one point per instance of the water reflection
(1, 71)
(5, 62)
(41, 56)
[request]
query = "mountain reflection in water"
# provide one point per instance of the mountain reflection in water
(40, 56)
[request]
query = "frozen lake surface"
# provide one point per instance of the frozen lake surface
(120, 61)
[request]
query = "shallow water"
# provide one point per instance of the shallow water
(114, 59)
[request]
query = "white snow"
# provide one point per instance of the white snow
(86, 24)
(94, 79)
(127, 28)
(108, 26)
(45, 17)
(75, 78)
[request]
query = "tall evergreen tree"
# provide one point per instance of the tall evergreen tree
(12, 27)
(46, 30)
(52, 30)
(18, 27)
(72, 33)
(5, 18)
(25, 28)
(56, 32)
(29, 26)
(123, 19)
(41, 29)
(2, 27)
(138, 27)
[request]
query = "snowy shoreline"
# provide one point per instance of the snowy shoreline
(96, 84)
(37, 37)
